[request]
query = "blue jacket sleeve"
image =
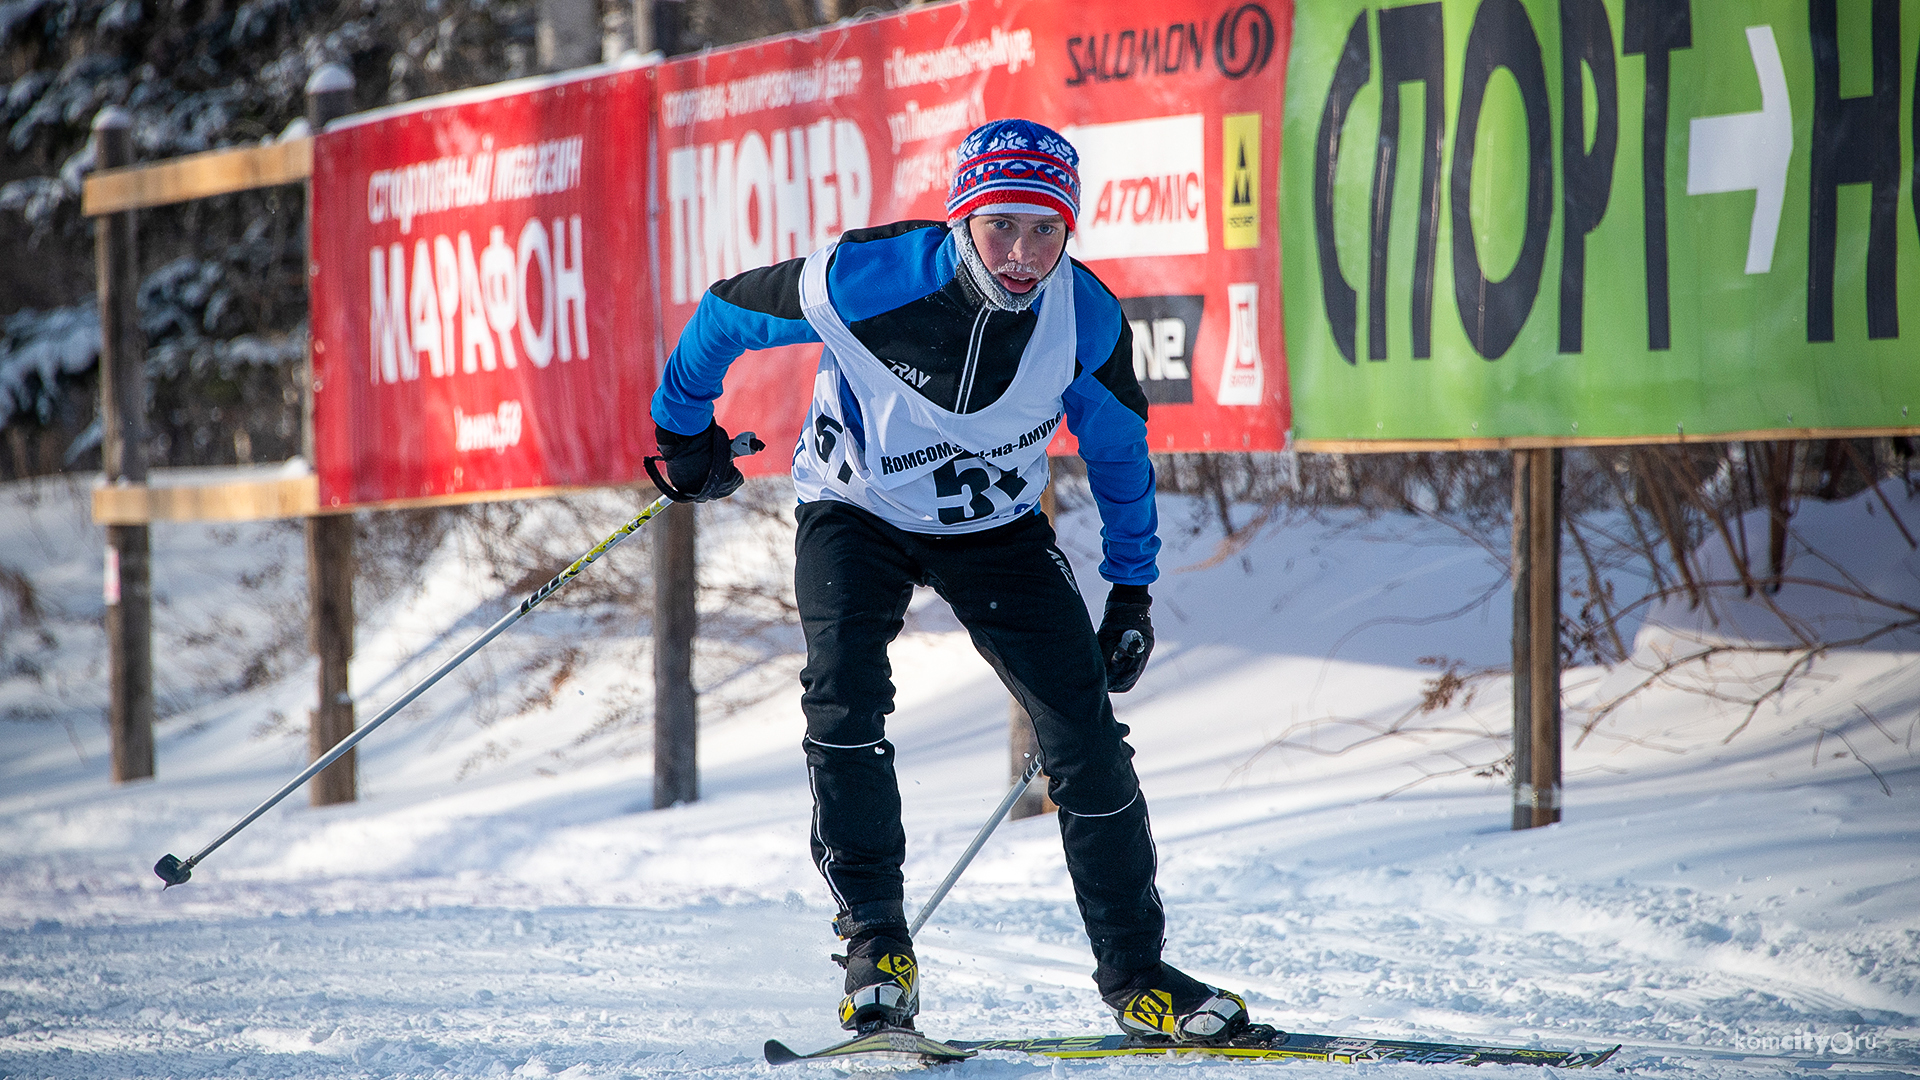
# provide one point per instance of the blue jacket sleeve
(713, 339)
(1107, 412)
(1113, 443)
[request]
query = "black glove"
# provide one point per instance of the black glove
(699, 467)
(1126, 636)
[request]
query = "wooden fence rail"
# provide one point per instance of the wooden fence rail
(196, 176)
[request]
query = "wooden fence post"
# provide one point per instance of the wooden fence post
(669, 24)
(1536, 638)
(123, 427)
(676, 716)
(643, 42)
(1022, 745)
(567, 35)
(330, 561)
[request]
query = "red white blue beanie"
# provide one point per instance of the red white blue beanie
(1016, 167)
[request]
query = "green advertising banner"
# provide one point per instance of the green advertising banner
(1522, 222)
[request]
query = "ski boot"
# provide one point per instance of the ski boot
(883, 980)
(1162, 1002)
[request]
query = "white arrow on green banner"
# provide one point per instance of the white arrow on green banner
(1749, 151)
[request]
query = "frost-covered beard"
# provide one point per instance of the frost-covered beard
(984, 284)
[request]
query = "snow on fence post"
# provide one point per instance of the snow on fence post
(330, 561)
(1536, 637)
(123, 407)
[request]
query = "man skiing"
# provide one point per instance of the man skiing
(953, 349)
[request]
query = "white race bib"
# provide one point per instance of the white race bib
(912, 463)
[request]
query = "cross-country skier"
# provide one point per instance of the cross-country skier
(953, 349)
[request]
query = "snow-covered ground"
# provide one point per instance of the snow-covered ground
(502, 901)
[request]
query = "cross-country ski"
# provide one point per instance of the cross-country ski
(1258, 1043)
(884, 1042)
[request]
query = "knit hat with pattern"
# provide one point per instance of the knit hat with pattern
(1015, 166)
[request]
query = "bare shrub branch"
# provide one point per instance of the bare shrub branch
(1655, 529)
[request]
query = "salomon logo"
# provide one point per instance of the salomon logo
(1250, 24)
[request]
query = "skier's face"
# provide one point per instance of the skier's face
(1020, 249)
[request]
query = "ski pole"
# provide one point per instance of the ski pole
(176, 871)
(953, 875)
(1132, 643)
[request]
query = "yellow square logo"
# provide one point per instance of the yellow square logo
(1240, 143)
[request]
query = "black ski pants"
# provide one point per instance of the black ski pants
(1014, 592)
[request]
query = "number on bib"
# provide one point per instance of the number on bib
(969, 488)
(826, 435)
(826, 439)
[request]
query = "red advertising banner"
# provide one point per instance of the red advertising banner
(482, 292)
(770, 150)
